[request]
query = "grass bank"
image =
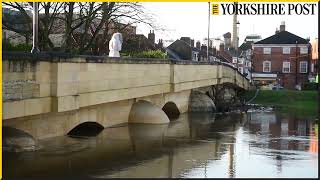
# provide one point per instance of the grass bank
(304, 102)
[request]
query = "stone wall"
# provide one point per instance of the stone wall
(19, 80)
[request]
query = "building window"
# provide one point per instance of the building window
(195, 56)
(303, 67)
(240, 69)
(266, 50)
(240, 61)
(234, 60)
(303, 50)
(286, 50)
(286, 67)
(266, 66)
(247, 64)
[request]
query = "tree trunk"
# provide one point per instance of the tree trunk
(69, 18)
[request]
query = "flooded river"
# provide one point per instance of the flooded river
(253, 144)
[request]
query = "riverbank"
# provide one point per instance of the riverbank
(288, 100)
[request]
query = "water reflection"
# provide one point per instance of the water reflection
(196, 145)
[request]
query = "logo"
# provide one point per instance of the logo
(215, 9)
(264, 8)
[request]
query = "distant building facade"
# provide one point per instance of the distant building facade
(183, 49)
(282, 59)
(244, 62)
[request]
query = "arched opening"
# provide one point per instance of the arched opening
(171, 110)
(86, 129)
(16, 140)
(146, 112)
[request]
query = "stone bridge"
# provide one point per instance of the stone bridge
(51, 95)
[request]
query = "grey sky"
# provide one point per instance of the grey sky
(191, 19)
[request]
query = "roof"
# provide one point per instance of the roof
(222, 59)
(245, 46)
(227, 35)
(283, 37)
(172, 54)
(253, 36)
(174, 51)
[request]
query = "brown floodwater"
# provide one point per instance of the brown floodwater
(253, 144)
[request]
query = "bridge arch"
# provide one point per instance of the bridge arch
(88, 128)
(144, 111)
(16, 140)
(171, 110)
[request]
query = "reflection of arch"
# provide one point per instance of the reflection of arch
(171, 110)
(17, 140)
(10, 132)
(86, 129)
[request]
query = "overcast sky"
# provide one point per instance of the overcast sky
(191, 19)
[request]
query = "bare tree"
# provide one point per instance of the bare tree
(51, 11)
(18, 23)
(21, 22)
(89, 28)
(85, 25)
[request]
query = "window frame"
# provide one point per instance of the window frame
(263, 66)
(283, 66)
(286, 48)
(267, 52)
(303, 48)
(240, 69)
(306, 64)
(240, 60)
(234, 60)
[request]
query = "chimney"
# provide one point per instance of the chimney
(198, 44)
(214, 51)
(235, 30)
(204, 47)
(151, 37)
(192, 42)
(221, 47)
(160, 43)
(277, 31)
(282, 26)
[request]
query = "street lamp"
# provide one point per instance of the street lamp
(296, 64)
(208, 31)
(237, 43)
(237, 40)
(35, 23)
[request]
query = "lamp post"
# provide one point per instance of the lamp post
(35, 23)
(208, 31)
(296, 63)
(237, 40)
(236, 43)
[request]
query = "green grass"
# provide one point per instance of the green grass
(304, 102)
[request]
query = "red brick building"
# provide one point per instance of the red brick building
(282, 59)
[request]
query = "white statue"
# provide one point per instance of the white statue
(115, 45)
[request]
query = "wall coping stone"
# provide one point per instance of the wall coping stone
(71, 58)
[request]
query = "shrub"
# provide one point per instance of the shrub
(149, 54)
(310, 86)
(19, 47)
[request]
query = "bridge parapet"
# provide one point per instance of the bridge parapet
(59, 83)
